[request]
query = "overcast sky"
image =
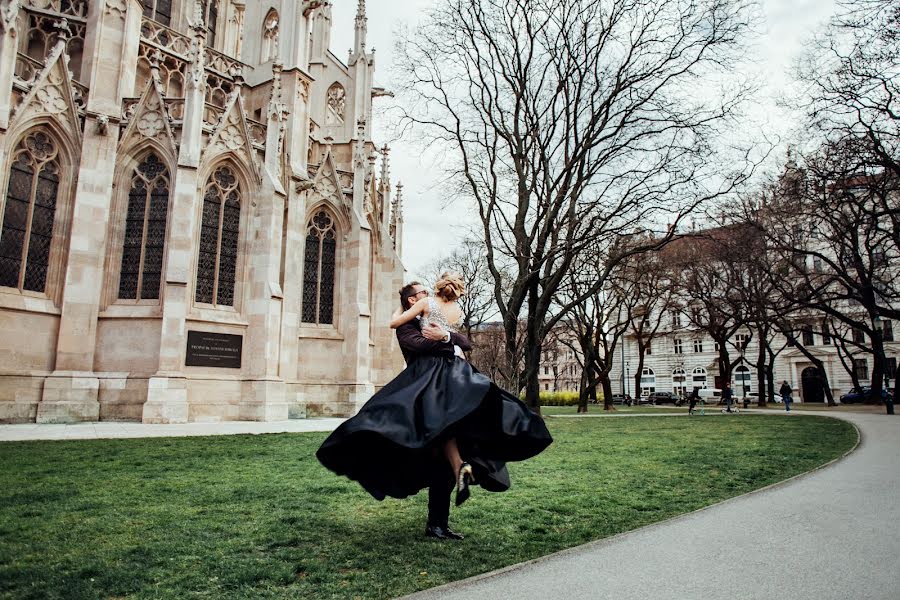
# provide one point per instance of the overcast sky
(430, 226)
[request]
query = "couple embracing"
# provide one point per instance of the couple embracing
(439, 424)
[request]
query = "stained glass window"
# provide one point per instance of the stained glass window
(29, 213)
(219, 228)
(318, 270)
(210, 17)
(145, 231)
(158, 10)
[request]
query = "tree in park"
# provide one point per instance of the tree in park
(571, 123)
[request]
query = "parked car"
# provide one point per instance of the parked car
(625, 399)
(856, 395)
(710, 395)
(754, 398)
(663, 398)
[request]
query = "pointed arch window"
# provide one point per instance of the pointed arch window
(210, 17)
(319, 269)
(269, 37)
(145, 231)
(158, 10)
(337, 104)
(217, 260)
(29, 213)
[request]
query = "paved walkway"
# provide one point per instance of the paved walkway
(112, 429)
(832, 534)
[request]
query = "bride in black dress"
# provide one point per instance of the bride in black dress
(438, 406)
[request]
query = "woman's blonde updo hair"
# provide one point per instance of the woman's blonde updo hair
(450, 286)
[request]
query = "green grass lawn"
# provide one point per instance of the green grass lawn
(258, 517)
(597, 409)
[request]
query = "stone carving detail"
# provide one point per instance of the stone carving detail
(326, 187)
(116, 7)
(151, 123)
(50, 99)
(8, 14)
(231, 136)
(72, 8)
(337, 100)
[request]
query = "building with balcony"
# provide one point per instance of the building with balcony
(195, 225)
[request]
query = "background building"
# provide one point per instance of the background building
(194, 227)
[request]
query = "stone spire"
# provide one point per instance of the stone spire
(359, 38)
(396, 228)
(385, 168)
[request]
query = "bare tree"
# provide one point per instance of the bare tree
(468, 260)
(572, 122)
(835, 257)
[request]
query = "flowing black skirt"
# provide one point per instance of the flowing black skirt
(392, 446)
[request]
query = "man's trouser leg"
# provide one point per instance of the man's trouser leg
(439, 495)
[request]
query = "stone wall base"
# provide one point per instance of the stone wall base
(74, 397)
(19, 398)
(166, 401)
(263, 401)
(69, 397)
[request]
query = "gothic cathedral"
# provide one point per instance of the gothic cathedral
(195, 226)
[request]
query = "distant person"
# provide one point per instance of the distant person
(693, 399)
(785, 391)
(728, 397)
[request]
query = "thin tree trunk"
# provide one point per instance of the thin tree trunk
(761, 368)
(607, 392)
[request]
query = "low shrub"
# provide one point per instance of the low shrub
(559, 398)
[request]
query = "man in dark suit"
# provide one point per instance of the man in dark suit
(416, 341)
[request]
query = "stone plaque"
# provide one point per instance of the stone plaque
(206, 349)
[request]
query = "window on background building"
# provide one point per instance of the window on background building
(716, 346)
(814, 230)
(546, 387)
(859, 336)
(217, 259)
(698, 377)
(648, 381)
(861, 368)
(676, 318)
(647, 349)
(145, 231)
(817, 265)
(319, 269)
(826, 333)
(741, 340)
(678, 347)
(158, 10)
(891, 368)
(742, 381)
(678, 381)
(29, 212)
(698, 345)
(546, 370)
(809, 338)
(887, 331)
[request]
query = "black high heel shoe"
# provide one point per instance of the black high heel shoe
(463, 480)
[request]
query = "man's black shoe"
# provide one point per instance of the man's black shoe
(442, 533)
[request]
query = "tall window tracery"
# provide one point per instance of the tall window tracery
(29, 213)
(145, 231)
(269, 37)
(318, 269)
(210, 17)
(158, 10)
(219, 229)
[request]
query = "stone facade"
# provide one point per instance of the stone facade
(193, 170)
(682, 358)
